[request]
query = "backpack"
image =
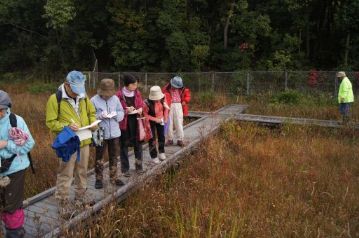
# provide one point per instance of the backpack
(59, 98)
(13, 123)
(66, 143)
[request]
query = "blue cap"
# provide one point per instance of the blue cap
(177, 82)
(76, 80)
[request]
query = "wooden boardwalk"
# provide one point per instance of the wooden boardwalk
(41, 211)
(280, 120)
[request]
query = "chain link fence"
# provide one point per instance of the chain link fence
(240, 82)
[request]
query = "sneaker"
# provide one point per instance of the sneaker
(98, 184)
(169, 142)
(180, 143)
(155, 160)
(18, 232)
(162, 156)
(117, 182)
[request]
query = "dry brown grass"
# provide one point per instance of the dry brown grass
(319, 107)
(249, 182)
(208, 102)
(325, 112)
(32, 108)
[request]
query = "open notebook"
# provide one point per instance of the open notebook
(84, 132)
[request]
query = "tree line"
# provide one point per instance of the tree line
(178, 35)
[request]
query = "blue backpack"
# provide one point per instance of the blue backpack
(66, 144)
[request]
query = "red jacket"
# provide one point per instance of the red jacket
(185, 97)
(150, 114)
(138, 104)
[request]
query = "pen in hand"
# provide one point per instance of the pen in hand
(73, 125)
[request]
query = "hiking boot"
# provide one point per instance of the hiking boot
(162, 156)
(126, 173)
(117, 182)
(15, 233)
(98, 184)
(180, 143)
(138, 166)
(155, 160)
(169, 142)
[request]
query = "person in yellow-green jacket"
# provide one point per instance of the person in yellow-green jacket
(345, 96)
(71, 107)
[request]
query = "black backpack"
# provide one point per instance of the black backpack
(13, 123)
(58, 95)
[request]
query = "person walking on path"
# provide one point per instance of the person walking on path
(178, 98)
(132, 102)
(110, 111)
(345, 96)
(71, 107)
(156, 111)
(15, 144)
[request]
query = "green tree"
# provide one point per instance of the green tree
(348, 25)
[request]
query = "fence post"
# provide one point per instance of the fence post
(286, 80)
(146, 83)
(94, 80)
(89, 80)
(335, 86)
(248, 86)
(119, 80)
(213, 78)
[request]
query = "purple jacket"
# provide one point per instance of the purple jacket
(138, 104)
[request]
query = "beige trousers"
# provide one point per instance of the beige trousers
(176, 122)
(70, 169)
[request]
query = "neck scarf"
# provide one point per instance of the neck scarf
(127, 92)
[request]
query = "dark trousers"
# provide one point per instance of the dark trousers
(158, 133)
(112, 149)
(129, 138)
(344, 109)
(12, 196)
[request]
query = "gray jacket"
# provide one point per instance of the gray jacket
(110, 125)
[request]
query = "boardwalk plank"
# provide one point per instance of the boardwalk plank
(43, 209)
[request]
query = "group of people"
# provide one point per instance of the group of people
(119, 112)
(70, 109)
